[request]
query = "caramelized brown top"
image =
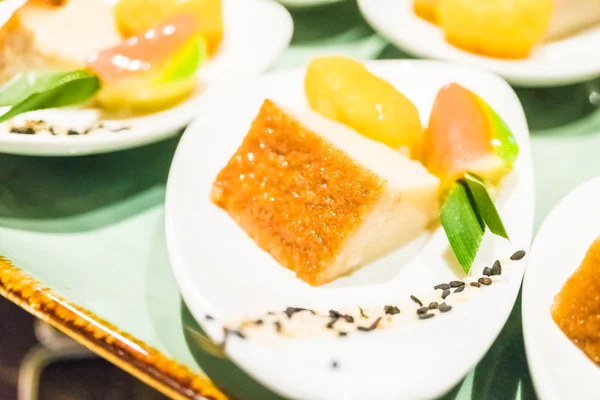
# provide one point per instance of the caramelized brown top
(294, 193)
(576, 308)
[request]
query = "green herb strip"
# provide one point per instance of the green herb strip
(463, 225)
(37, 91)
(485, 206)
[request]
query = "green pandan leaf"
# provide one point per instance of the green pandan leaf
(463, 225)
(39, 90)
(485, 206)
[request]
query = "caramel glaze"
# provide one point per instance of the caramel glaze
(294, 193)
(576, 309)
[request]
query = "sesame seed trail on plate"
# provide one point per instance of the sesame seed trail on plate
(299, 321)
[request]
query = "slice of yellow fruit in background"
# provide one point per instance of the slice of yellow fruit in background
(497, 28)
(136, 16)
(426, 9)
(344, 90)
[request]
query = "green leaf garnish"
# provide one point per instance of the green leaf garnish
(463, 225)
(485, 206)
(39, 90)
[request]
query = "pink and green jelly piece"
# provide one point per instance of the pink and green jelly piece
(466, 135)
(169, 52)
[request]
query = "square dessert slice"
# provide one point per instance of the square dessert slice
(319, 197)
(576, 309)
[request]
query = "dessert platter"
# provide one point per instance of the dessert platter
(561, 312)
(87, 76)
(354, 223)
(529, 43)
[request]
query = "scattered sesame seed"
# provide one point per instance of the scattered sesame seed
(391, 310)
(426, 316)
(259, 322)
(455, 284)
(334, 365)
(485, 281)
(422, 310)
(444, 307)
(209, 317)
(342, 334)
(476, 284)
(518, 255)
(293, 310)
(25, 131)
(487, 271)
(362, 313)
(416, 300)
(433, 305)
(496, 268)
(442, 286)
(445, 294)
(459, 289)
(277, 326)
(371, 327)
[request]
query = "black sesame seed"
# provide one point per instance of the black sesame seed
(209, 317)
(422, 310)
(425, 316)
(71, 132)
(335, 314)
(371, 327)
(232, 332)
(518, 255)
(391, 310)
(270, 313)
(445, 294)
(496, 268)
(476, 284)
(331, 323)
(459, 289)
(343, 334)
(237, 333)
(277, 326)
(293, 310)
(362, 313)
(334, 365)
(416, 300)
(444, 307)
(25, 131)
(348, 318)
(259, 322)
(487, 271)
(455, 284)
(485, 281)
(442, 286)
(433, 305)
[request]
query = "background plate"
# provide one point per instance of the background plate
(221, 272)
(559, 369)
(559, 63)
(256, 33)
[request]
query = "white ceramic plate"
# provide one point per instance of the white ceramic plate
(307, 3)
(220, 271)
(574, 59)
(559, 369)
(256, 33)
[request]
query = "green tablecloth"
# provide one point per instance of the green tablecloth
(91, 228)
